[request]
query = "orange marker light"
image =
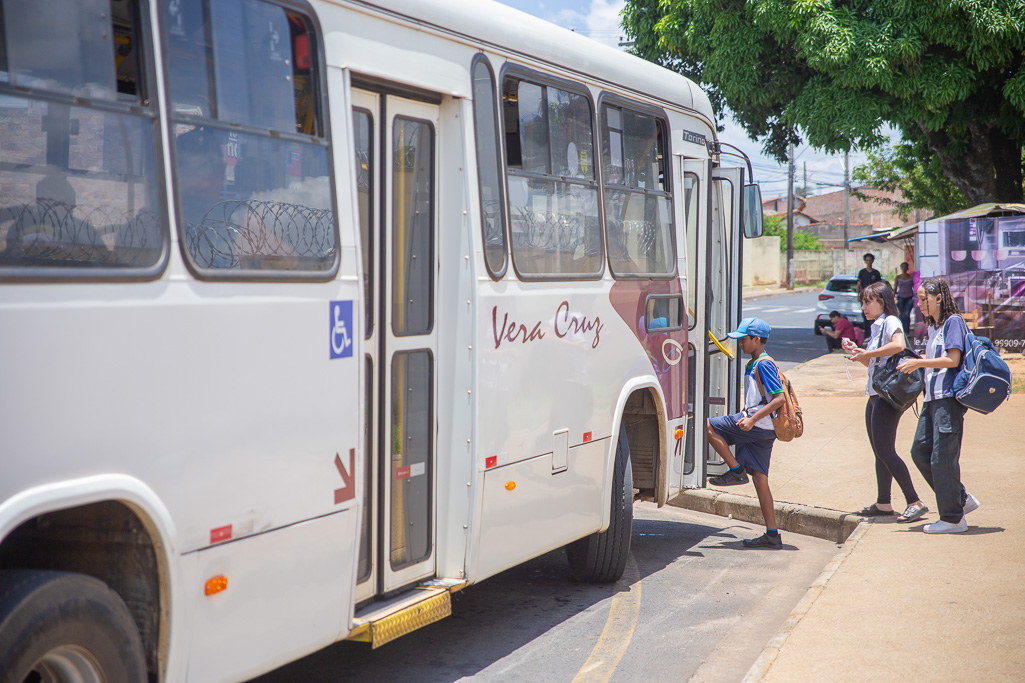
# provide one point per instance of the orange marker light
(216, 585)
(510, 485)
(679, 433)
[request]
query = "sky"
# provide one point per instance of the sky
(599, 20)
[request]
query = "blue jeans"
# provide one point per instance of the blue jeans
(936, 451)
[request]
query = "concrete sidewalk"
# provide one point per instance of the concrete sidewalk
(897, 604)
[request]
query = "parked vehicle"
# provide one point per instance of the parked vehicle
(840, 294)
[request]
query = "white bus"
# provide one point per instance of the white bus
(312, 313)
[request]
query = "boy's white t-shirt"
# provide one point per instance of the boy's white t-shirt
(881, 334)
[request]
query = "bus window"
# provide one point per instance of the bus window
(363, 122)
(255, 196)
(638, 205)
(413, 227)
(690, 214)
(485, 123)
(553, 198)
(78, 181)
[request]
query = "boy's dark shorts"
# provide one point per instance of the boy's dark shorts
(754, 448)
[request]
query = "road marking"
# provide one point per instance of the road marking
(805, 310)
(619, 629)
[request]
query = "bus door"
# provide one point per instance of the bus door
(696, 186)
(724, 299)
(395, 140)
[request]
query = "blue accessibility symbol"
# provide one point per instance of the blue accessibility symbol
(341, 329)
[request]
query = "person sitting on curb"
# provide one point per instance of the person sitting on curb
(842, 329)
(751, 429)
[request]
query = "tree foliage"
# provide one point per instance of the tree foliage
(776, 226)
(949, 75)
(909, 168)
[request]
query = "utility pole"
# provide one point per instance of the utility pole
(804, 188)
(790, 219)
(846, 198)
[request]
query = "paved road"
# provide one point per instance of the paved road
(791, 317)
(693, 601)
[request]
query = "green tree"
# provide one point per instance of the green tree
(776, 226)
(949, 75)
(910, 169)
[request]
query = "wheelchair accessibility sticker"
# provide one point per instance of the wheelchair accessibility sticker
(341, 329)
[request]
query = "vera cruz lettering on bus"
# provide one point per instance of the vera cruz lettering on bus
(563, 324)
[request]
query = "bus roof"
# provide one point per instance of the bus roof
(491, 23)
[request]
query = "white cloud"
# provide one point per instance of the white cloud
(600, 21)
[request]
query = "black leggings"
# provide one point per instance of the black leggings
(881, 420)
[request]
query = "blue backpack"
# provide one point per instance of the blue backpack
(984, 380)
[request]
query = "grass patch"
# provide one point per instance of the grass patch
(1016, 362)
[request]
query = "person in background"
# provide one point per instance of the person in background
(936, 448)
(905, 295)
(842, 329)
(868, 276)
(886, 338)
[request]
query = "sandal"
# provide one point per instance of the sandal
(873, 511)
(912, 513)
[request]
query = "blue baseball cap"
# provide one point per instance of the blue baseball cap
(756, 327)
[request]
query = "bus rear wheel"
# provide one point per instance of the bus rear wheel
(61, 627)
(601, 557)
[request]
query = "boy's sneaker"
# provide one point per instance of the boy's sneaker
(971, 504)
(764, 541)
(730, 478)
(942, 527)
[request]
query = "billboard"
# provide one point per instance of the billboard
(983, 259)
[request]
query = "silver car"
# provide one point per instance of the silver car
(841, 295)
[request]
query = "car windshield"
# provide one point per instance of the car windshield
(850, 286)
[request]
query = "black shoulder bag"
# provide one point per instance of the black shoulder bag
(897, 388)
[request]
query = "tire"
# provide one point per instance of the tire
(66, 627)
(601, 557)
(818, 329)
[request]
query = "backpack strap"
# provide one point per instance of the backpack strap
(758, 379)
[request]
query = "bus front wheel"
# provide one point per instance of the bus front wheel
(63, 627)
(601, 557)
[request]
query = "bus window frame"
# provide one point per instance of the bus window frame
(519, 72)
(316, 47)
(605, 99)
(147, 105)
(503, 195)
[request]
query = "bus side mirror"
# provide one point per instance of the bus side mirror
(752, 214)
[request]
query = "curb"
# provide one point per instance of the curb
(831, 525)
(765, 293)
(772, 649)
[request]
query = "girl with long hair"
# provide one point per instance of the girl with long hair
(885, 338)
(936, 449)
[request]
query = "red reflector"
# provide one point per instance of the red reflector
(823, 297)
(587, 436)
(222, 533)
(491, 462)
(302, 52)
(402, 472)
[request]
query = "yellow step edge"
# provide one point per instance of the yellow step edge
(385, 628)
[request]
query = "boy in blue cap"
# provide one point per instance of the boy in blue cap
(751, 429)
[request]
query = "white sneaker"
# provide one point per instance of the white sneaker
(942, 527)
(971, 504)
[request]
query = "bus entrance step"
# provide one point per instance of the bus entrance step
(383, 622)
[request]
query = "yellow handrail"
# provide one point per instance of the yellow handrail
(729, 354)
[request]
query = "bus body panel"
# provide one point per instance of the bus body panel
(298, 583)
(529, 510)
